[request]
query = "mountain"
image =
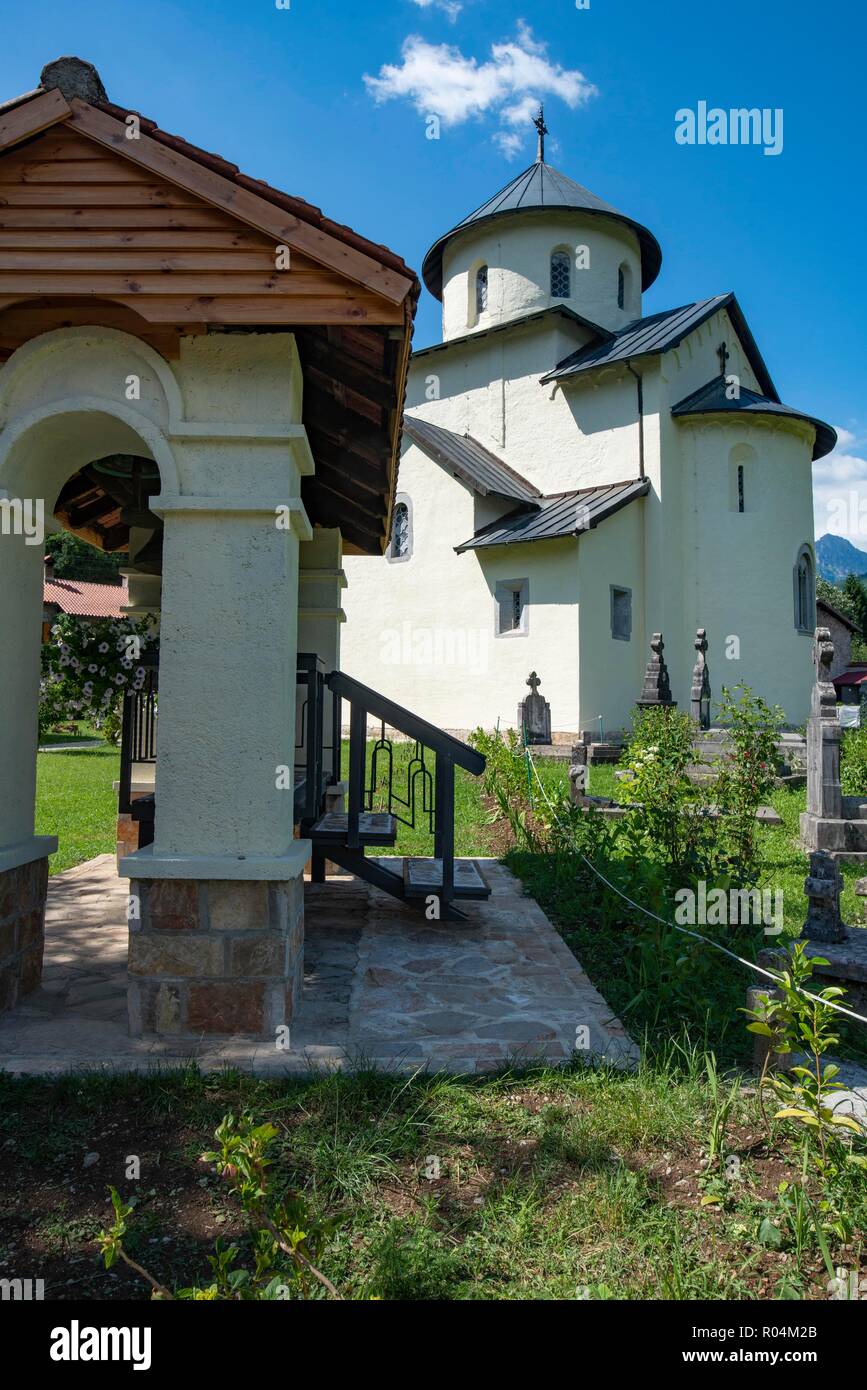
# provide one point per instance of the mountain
(836, 558)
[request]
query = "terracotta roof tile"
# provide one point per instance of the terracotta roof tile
(86, 600)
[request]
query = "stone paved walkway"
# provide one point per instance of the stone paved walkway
(382, 987)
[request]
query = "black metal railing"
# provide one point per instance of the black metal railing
(430, 790)
(138, 748)
(317, 756)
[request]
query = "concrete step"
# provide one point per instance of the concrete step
(374, 828)
(421, 877)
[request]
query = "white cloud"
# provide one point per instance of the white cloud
(451, 7)
(439, 80)
(840, 493)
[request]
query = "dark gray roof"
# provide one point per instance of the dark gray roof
(658, 333)
(542, 188)
(566, 514)
(711, 399)
(553, 310)
(469, 460)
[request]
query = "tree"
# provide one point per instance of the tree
(854, 591)
(75, 559)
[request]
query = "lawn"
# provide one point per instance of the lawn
(548, 1185)
(75, 802)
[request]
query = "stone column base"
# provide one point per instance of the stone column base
(215, 957)
(22, 930)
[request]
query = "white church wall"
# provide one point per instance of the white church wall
(423, 631)
(738, 567)
(517, 251)
(611, 668)
(559, 438)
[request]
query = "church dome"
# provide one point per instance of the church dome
(539, 189)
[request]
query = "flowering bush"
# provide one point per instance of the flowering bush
(88, 666)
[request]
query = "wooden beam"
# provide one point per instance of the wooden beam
(32, 116)
(329, 505)
(335, 361)
(349, 464)
(240, 202)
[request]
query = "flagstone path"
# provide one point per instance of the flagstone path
(383, 987)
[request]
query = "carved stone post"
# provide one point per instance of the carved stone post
(824, 798)
(823, 888)
(534, 713)
(657, 687)
(699, 702)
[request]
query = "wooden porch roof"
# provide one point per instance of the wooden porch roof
(160, 238)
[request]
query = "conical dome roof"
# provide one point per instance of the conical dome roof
(537, 189)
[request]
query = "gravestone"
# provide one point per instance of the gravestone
(699, 698)
(832, 822)
(656, 691)
(534, 713)
(823, 888)
(824, 797)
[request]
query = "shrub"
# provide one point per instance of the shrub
(853, 762)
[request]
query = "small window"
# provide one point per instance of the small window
(401, 530)
(740, 487)
(621, 613)
(561, 275)
(512, 596)
(481, 289)
(621, 288)
(805, 591)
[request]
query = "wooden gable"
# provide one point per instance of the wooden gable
(152, 236)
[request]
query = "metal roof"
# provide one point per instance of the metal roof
(658, 333)
(560, 310)
(541, 188)
(711, 399)
(470, 460)
(566, 514)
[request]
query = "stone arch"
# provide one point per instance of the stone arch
(68, 363)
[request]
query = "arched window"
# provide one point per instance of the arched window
(561, 275)
(805, 591)
(401, 530)
(481, 289)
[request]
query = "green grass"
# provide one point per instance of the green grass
(75, 802)
(551, 1183)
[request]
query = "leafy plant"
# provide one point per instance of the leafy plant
(284, 1236)
(799, 1021)
(87, 666)
(744, 778)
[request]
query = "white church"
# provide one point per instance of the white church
(576, 476)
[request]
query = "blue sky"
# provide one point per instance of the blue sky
(283, 93)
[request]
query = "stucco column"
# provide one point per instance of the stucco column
(320, 615)
(216, 927)
(23, 855)
(228, 643)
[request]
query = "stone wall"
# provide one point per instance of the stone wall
(217, 957)
(22, 930)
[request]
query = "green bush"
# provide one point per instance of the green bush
(853, 762)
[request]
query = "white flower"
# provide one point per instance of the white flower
(103, 647)
(92, 669)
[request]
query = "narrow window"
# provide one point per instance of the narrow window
(805, 592)
(621, 288)
(517, 610)
(401, 531)
(512, 597)
(740, 487)
(621, 613)
(561, 275)
(481, 289)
